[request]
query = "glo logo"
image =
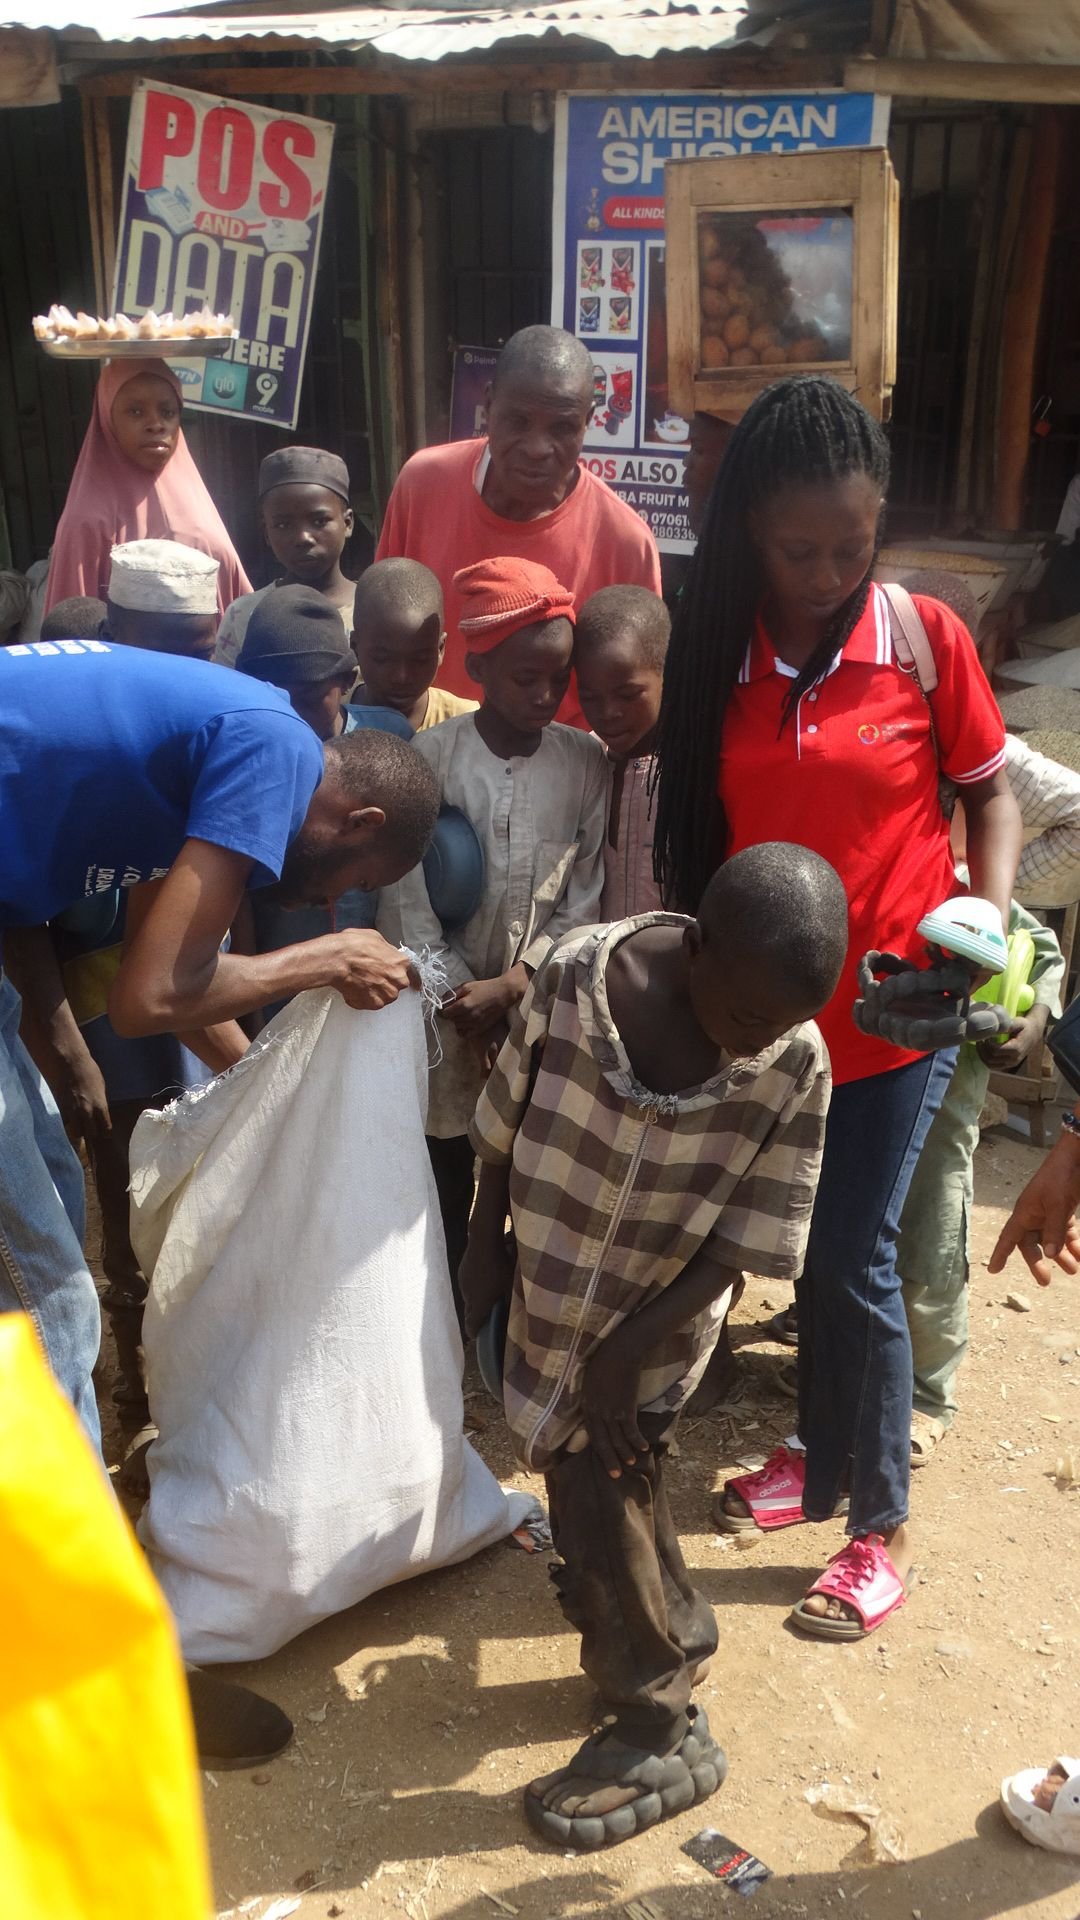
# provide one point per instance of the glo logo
(225, 385)
(869, 734)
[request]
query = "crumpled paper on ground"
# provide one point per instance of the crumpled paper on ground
(882, 1839)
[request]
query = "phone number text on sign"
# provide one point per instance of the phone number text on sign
(223, 205)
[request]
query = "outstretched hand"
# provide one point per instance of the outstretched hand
(83, 1101)
(1042, 1226)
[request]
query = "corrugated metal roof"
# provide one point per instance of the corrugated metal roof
(1036, 32)
(640, 28)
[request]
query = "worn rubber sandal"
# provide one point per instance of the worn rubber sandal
(773, 1494)
(926, 1436)
(1057, 1830)
(863, 1576)
(669, 1784)
(784, 1326)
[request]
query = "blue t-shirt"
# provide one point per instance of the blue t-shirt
(110, 758)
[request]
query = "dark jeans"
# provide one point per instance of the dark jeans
(125, 1284)
(855, 1380)
(42, 1219)
(624, 1585)
(453, 1163)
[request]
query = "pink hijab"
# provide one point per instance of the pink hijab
(111, 500)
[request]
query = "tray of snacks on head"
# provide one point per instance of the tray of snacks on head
(83, 336)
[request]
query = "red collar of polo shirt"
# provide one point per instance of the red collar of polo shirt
(869, 644)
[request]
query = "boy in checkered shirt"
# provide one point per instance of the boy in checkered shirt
(653, 1123)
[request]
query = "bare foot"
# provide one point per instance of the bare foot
(900, 1549)
(717, 1380)
(734, 1504)
(134, 1473)
(569, 1794)
(576, 1795)
(1048, 1788)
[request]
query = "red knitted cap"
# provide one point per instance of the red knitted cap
(502, 596)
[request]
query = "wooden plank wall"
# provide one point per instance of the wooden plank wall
(44, 406)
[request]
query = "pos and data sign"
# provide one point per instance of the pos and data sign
(223, 206)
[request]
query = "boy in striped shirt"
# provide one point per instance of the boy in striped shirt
(653, 1123)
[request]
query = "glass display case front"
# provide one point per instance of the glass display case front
(780, 263)
(775, 289)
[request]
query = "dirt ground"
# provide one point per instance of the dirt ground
(421, 1713)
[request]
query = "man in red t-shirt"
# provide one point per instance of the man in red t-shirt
(520, 493)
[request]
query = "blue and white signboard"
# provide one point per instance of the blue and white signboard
(608, 271)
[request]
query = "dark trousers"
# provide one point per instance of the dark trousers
(855, 1379)
(453, 1162)
(125, 1283)
(624, 1586)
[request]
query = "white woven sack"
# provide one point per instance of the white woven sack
(303, 1356)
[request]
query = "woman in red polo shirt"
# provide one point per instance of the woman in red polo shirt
(785, 717)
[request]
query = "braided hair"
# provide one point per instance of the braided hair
(801, 430)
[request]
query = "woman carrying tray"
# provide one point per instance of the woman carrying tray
(135, 479)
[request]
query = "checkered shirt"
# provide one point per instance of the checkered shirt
(613, 1188)
(1048, 796)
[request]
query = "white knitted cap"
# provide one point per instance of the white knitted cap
(162, 576)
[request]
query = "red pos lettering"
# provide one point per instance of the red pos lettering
(227, 165)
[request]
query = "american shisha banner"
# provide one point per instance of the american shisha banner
(608, 270)
(223, 206)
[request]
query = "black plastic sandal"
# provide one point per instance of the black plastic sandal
(670, 1784)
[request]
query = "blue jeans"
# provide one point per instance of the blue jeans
(855, 1382)
(42, 1222)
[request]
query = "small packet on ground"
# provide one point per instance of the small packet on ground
(727, 1861)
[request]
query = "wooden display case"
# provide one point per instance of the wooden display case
(777, 264)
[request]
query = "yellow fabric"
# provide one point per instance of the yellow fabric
(100, 1814)
(88, 981)
(444, 706)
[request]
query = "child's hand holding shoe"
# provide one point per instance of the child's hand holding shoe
(1026, 1035)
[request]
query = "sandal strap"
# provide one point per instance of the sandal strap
(775, 1486)
(604, 1756)
(927, 1422)
(863, 1577)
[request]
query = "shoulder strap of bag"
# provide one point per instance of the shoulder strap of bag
(915, 656)
(911, 642)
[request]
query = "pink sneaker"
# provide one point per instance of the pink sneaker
(863, 1576)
